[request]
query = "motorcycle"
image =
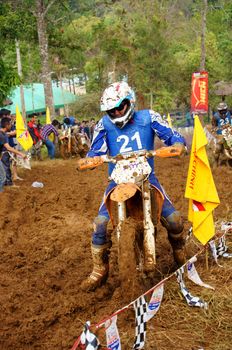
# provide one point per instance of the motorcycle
(220, 146)
(138, 207)
(227, 135)
(73, 143)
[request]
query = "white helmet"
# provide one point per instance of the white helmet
(115, 97)
(222, 107)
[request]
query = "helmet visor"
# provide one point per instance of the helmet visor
(223, 111)
(120, 110)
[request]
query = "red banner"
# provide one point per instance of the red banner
(199, 94)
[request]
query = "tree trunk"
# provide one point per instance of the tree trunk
(43, 48)
(19, 65)
(203, 30)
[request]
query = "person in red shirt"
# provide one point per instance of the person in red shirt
(33, 129)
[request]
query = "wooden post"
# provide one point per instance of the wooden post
(19, 65)
(206, 258)
(203, 31)
(203, 50)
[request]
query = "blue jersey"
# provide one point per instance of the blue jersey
(220, 122)
(138, 134)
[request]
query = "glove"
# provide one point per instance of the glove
(182, 147)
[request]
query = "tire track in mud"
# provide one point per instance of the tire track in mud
(45, 237)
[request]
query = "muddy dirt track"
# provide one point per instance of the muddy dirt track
(45, 254)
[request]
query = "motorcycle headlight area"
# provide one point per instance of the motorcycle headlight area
(227, 134)
(131, 170)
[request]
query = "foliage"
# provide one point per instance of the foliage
(155, 45)
(87, 107)
(9, 79)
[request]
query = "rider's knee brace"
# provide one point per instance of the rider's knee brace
(174, 224)
(99, 236)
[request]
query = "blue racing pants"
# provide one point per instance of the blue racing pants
(170, 217)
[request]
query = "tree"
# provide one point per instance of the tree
(41, 11)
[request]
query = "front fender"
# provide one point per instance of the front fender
(122, 192)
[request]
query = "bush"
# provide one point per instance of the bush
(87, 106)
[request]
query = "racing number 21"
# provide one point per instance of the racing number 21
(126, 140)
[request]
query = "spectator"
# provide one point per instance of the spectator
(35, 135)
(66, 122)
(2, 169)
(47, 130)
(188, 118)
(13, 143)
(92, 126)
(73, 121)
(33, 129)
(86, 129)
(6, 159)
(69, 122)
(5, 113)
(39, 125)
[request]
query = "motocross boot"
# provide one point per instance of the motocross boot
(177, 242)
(99, 275)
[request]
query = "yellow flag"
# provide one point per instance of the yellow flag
(48, 121)
(22, 134)
(48, 117)
(169, 120)
(200, 187)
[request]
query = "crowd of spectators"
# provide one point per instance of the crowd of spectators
(8, 148)
(47, 134)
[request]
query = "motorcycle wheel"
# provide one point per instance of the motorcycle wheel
(130, 258)
(64, 153)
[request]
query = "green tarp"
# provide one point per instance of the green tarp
(35, 100)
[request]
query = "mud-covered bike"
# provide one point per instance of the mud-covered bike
(138, 206)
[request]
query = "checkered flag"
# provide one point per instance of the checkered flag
(222, 248)
(214, 251)
(191, 300)
(140, 306)
(89, 339)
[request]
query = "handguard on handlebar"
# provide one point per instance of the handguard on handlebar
(89, 163)
(171, 151)
(163, 152)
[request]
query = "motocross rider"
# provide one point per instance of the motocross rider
(122, 129)
(219, 120)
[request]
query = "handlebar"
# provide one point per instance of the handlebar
(163, 152)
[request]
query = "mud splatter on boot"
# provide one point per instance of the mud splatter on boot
(177, 242)
(99, 275)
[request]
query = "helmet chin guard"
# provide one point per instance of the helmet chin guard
(121, 121)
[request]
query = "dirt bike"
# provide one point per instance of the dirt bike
(220, 146)
(21, 162)
(36, 150)
(73, 144)
(139, 206)
(227, 135)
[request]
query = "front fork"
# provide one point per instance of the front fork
(121, 217)
(149, 230)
